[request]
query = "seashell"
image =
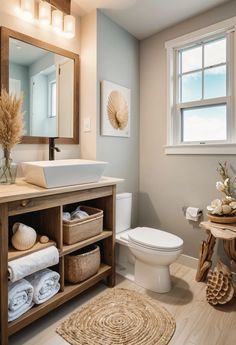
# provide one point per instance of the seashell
(233, 205)
(226, 209)
(217, 210)
(24, 237)
(210, 208)
(117, 110)
(216, 202)
(44, 239)
(226, 201)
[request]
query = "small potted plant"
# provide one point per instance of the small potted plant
(223, 210)
(11, 131)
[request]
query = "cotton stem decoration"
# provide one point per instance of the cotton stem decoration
(11, 131)
(227, 205)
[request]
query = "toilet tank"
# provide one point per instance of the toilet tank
(123, 211)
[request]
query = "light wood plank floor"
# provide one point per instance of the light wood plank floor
(197, 322)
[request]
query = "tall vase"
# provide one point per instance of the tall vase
(8, 169)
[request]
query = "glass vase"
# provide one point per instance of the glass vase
(8, 170)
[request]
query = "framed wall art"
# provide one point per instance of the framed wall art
(115, 110)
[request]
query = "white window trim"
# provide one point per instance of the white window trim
(171, 46)
(50, 85)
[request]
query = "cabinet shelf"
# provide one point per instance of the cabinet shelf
(42, 210)
(67, 249)
(70, 291)
(16, 254)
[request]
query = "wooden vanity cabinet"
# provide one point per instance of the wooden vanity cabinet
(43, 209)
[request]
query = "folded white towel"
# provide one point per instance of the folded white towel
(45, 283)
(20, 298)
(22, 267)
(78, 213)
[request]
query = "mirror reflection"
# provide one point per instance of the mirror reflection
(46, 81)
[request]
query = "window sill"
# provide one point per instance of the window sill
(205, 149)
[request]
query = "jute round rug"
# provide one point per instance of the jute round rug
(119, 317)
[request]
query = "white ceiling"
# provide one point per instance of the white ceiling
(24, 54)
(143, 18)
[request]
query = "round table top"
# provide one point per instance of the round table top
(222, 231)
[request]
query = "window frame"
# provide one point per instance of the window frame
(51, 84)
(174, 108)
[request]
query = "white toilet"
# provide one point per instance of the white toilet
(153, 250)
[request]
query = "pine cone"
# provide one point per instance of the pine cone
(220, 288)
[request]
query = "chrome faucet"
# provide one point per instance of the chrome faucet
(52, 148)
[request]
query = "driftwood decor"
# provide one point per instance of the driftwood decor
(215, 230)
(220, 288)
(205, 255)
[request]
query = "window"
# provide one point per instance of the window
(52, 104)
(202, 92)
(200, 97)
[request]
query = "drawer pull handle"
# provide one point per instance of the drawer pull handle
(24, 203)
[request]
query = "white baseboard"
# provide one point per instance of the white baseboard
(188, 261)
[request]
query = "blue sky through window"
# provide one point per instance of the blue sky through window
(204, 123)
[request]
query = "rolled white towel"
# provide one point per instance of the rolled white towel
(20, 298)
(22, 267)
(45, 283)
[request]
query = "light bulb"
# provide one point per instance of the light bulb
(57, 20)
(27, 9)
(69, 26)
(44, 13)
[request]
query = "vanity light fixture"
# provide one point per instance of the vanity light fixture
(57, 20)
(49, 15)
(44, 13)
(69, 26)
(27, 9)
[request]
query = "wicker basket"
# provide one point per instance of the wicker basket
(82, 264)
(81, 229)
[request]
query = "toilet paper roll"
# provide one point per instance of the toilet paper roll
(193, 213)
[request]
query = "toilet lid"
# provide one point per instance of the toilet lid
(155, 239)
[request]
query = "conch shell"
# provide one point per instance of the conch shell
(24, 237)
(117, 110)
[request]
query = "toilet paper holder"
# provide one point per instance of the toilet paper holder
(200, 212)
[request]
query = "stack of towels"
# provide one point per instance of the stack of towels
(31, 282)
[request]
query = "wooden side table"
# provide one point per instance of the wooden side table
(226, 232)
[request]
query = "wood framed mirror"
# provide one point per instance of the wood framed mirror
(48, 78)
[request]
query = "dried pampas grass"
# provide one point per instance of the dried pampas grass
(11, 120)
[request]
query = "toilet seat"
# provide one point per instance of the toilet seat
(154, 239)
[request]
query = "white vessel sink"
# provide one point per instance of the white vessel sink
(59, 173)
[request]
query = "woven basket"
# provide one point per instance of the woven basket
(81, 229)
(82, 264)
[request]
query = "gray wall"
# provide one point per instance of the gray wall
(118, 62)
(169, 182)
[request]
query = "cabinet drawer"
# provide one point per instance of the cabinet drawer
(34, 204)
